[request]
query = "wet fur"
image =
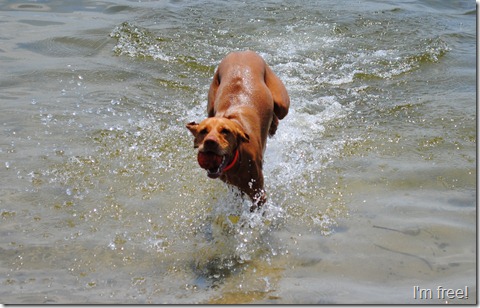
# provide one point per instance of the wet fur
(245, 102)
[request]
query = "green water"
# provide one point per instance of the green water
(371, 177)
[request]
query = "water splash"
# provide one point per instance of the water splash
(136, 42)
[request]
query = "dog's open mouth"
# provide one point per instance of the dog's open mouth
(213, 163)
(216, 172)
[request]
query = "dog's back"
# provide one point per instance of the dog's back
(244, 83)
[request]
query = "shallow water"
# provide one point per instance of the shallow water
(371, 177)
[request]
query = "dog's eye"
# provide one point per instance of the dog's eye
(204, 131)
(225, 131)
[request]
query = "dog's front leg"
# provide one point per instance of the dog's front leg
(259, 199)
(256, 191)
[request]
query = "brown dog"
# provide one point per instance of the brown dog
(245, 101)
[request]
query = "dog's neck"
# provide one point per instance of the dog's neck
(233, 162)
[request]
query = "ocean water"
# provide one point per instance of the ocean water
(371, 177)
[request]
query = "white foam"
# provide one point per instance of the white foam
(239, 230)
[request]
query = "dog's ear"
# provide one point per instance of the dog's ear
(239, 132)
(193, 128)
(242, 136)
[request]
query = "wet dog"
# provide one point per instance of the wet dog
(245, 101)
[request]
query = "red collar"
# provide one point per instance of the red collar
(233, 162)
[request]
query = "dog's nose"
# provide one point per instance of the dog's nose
(210, 141)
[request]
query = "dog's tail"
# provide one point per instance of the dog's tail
(281, 100)
(273, 126)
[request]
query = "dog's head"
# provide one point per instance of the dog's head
(217, 140)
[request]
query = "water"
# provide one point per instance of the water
(371, 176)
